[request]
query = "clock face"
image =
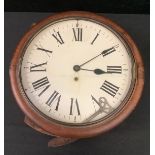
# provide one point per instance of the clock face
(76, 71)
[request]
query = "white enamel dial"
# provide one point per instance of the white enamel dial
(76, 71)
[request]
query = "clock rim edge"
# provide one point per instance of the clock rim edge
(84, 131)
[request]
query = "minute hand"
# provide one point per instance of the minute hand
(103, 53)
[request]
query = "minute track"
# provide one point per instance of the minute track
(71, 79)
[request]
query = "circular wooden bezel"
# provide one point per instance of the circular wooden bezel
(54, 128)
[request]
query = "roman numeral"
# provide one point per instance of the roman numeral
(39, 83)
(114, 69)
(38, 68)
(108, 51)
(54, 98)
(42, 83)
(45, 50)
(95, 38)
(74, 103)
(109, 88)
(77, 34)
(58, 38)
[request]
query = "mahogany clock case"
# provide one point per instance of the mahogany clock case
(63, 130)
(30, 18)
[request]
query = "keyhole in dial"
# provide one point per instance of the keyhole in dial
(76, 79)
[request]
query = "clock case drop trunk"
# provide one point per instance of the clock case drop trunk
(55, 141)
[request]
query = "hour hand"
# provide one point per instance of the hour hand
(96, 71)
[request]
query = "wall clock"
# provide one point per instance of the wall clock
(76, 75)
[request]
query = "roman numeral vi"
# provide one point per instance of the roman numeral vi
(74, 102)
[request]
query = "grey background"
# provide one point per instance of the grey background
(129, 138)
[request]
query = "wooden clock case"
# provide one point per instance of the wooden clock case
(71, 133)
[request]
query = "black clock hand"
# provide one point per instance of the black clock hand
(45, 50)
(103, 53)
(96, 71)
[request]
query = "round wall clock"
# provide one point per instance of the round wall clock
(76, 75)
